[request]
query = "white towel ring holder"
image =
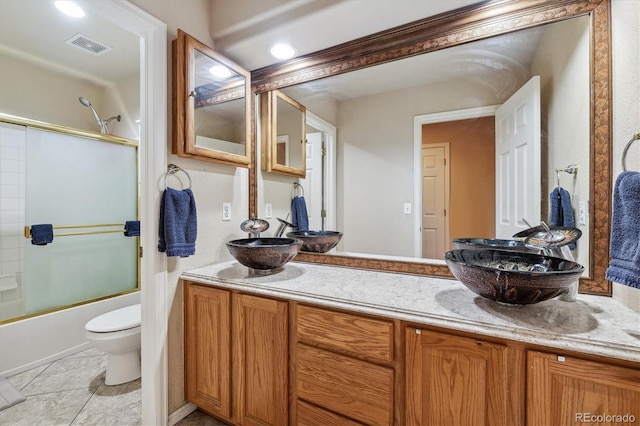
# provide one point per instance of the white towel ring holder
(173, 169)
(297, 191)
(635, 137)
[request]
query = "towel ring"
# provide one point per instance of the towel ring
(572, 169)
(635, 137)
(297, 191)
(173, 169)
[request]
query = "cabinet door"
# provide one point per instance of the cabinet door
(454, 380)
(567, 391)
(261, 360)
(207, 348)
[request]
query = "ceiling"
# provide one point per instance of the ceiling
(243, 30)
(36, 31)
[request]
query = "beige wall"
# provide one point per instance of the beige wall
(32, 91)
(213, 184)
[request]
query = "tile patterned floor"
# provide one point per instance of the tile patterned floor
(71, 391)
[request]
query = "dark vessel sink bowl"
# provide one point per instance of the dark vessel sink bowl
(264, 254)
(317, 241)
(512, 277)
(493, 243)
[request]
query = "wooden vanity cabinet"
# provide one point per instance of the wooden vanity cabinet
(344, 368)
(236, 355)
(565, 390)
(453, 380)
(207, 345)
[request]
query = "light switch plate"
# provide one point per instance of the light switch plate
(268, 211)
(407, 208)
(582, 213)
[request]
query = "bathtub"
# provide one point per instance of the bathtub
(39, 340)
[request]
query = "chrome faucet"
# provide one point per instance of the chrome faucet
(283, 226)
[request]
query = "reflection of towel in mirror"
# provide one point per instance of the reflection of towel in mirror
(624, 245)
(178, 225)
(561, 211)
(41, 235)
(300, 219)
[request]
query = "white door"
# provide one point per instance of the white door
(312, 184)
(435, 200)
(518, 160)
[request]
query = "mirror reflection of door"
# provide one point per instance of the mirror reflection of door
(435, 200)
(312, 183)
(518, 163)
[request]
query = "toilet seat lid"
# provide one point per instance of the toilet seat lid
(118, 320)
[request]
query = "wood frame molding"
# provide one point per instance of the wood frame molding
(458, 27)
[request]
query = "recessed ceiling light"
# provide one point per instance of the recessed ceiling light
(282, 51)
(69, 8)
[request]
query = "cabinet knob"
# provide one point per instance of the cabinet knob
(479, 342)
(192, 94)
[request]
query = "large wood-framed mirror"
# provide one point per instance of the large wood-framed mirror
(482, 22)
(211, 106)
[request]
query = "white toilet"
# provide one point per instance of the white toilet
(117, 333)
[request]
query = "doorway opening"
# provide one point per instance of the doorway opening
(468, 208)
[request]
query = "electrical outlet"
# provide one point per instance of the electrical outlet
(268, 211)
(407, 208)
(226, 211)
(582, 213)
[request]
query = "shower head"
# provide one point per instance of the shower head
(102, 123)
(84, 101)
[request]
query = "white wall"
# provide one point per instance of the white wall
(626, 104)
(562, 61)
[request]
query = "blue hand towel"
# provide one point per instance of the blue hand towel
(178, 225)
(132, 228)
(300, 218)
(624, 244)
(41, 235)
(560, 210)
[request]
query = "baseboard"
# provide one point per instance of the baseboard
(181, 413)
(47, 359)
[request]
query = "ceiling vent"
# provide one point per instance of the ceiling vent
(85, 43)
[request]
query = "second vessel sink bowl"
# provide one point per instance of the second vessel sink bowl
(493, 243)
(513, 277)
(317, 241)
(264, 254)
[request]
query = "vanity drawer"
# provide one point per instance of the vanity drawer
(353, 388)
(310, 415)
(364, 337)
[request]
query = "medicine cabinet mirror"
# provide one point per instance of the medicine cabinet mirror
(283, 134)
(211, 109)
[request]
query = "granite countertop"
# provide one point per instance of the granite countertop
(593, 324)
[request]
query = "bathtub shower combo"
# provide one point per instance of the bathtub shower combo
(69, 247)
